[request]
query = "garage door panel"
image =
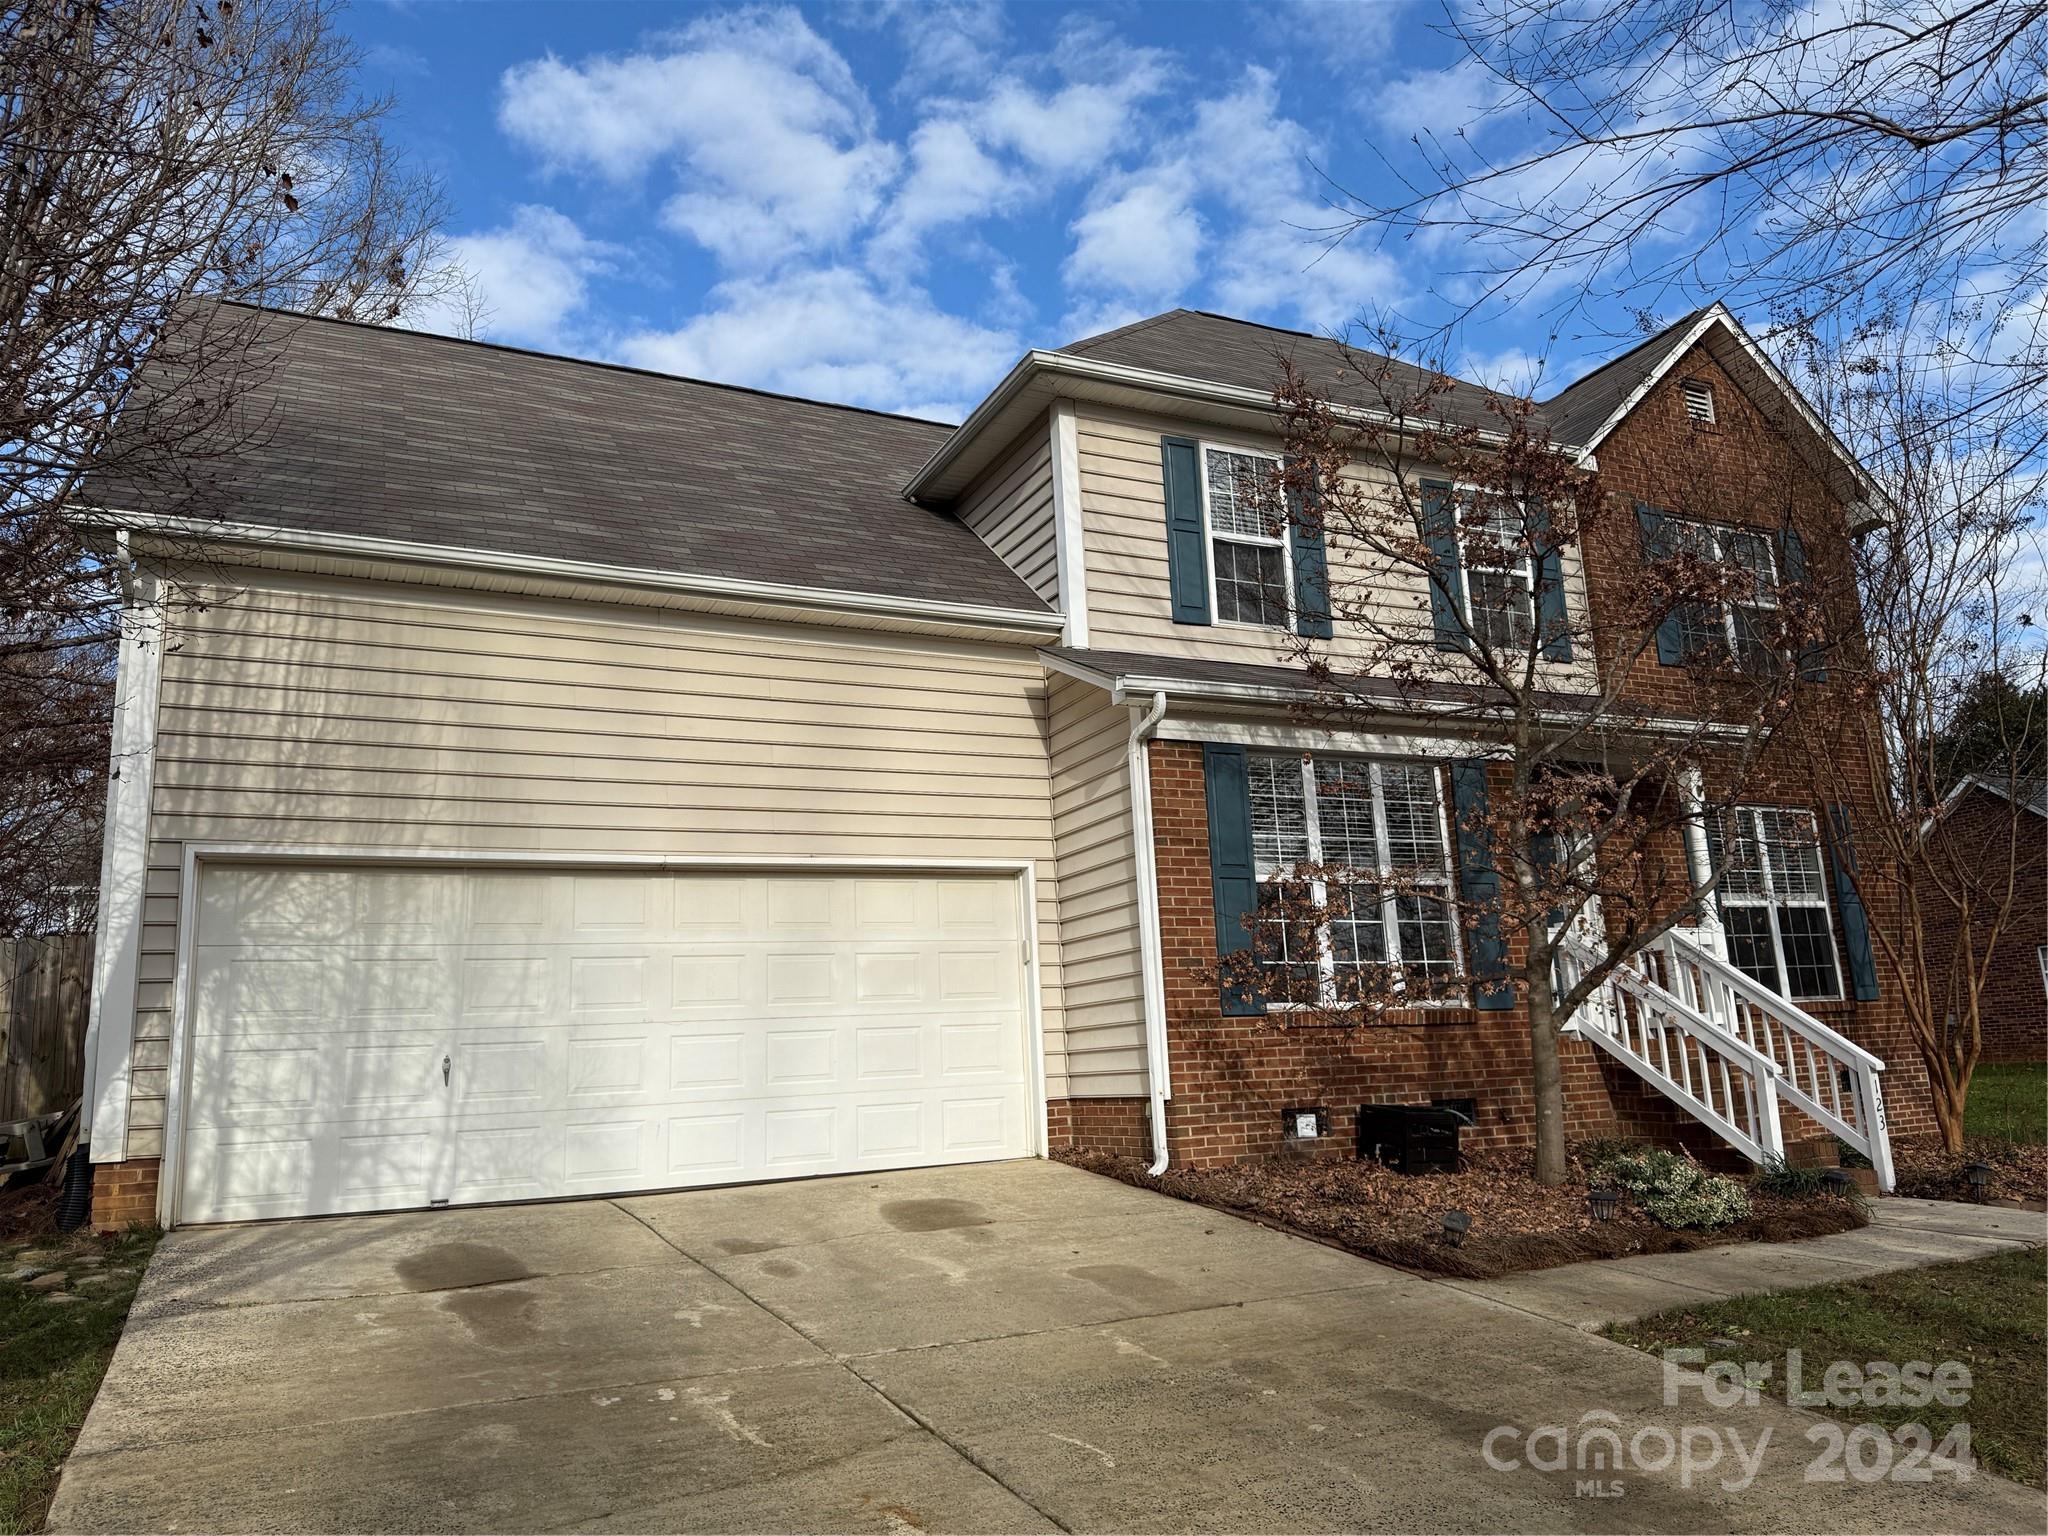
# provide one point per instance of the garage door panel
(600, 1031)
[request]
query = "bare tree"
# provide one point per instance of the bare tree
(1881, 155)
(160, 156)
(1951, 590)
(1453, 531)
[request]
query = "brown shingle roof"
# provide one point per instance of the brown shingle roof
(1575, 414)
(1199, 345)
(403, 435)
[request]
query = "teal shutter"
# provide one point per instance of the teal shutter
(1551, 621)
(1479, 885)
(1671, 632)
(1813, 667)
(1311, 575)
(1233, 877)
(1187, 558)
(1446, 577)
(1855, 922)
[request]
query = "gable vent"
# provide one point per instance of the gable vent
(1699, 400)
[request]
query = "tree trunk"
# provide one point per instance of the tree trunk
(1546, 1075)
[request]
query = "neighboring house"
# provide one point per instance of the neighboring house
(580, 780)
(1976, 830)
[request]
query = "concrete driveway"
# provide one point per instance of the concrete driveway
(1009, 1347)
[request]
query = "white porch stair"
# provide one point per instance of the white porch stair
(1730, 1052)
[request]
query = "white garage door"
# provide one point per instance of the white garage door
(366, 1039)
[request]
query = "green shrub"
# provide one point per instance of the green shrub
(1675, 1190)
(1781, 1178)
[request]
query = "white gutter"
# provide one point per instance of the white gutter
(1198, 692)
(363, 546)
(1158, 1079)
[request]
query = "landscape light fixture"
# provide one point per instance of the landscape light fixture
(1979, 1175)
(1456, 1225)
(1605, 1203)
(1836, 1181)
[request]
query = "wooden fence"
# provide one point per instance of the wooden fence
(45, 990)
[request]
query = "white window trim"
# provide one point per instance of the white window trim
(1210, 537)
(1462, 499)
(1326, 954)
(1770, 901)
(1716, 534)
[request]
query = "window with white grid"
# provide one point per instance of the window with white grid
(1741, 625)
(1247, 547)
(1773, 900)
(1500, 577)
(1364, 827)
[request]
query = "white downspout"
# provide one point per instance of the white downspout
(1692, 796)
(124, 571)
(1151, 967)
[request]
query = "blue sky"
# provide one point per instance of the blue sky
(886, 203)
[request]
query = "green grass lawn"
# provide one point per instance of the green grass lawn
(52, 1356)
(2009, 1100)
(1986, 1313)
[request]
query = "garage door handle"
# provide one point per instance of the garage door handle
(445, 1065)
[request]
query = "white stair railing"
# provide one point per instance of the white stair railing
(1824, 1074)
(1720, 1080)
(1752, 1048)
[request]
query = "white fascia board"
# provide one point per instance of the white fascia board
(1050, 374)
(1070, 548)
(124, 871)
(1861, 512)
(809, 601)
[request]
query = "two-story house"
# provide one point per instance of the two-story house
(548, 778)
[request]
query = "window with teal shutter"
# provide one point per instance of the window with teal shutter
(1233, 872)
(1446, 580)
(1479, 885)
(1311, 570)
(1187, 556)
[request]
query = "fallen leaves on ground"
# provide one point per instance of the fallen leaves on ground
(1517, 1224)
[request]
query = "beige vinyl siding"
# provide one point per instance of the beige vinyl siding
(1099, 954)
(330, 714)
(1123, 502)
(1010, 507)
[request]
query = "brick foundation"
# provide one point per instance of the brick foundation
(124, 1194)
(1119, 1126)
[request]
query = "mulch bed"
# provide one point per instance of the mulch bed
(1928, 1171)
(1517, 1224)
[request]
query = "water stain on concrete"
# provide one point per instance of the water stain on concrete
(1127, 1281)
(497, 1318)
(744, 1245)
(933, 1215)
(453, 1266)
(782, 1269)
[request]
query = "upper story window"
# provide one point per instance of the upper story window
(1740, 625)
(1699, 401)
(1247, 548)
(1375, 842)
(1773, 900)
(1500, 576)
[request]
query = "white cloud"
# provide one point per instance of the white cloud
(769, 133)
(952, 180)
(1141, 236)
(944, 41)
(531, 275)
(831, 334)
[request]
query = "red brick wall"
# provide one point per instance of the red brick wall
(1233, 1077)
(124, 1194)
(2015, 1003)
(1744, 470)
(1119, 1126)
